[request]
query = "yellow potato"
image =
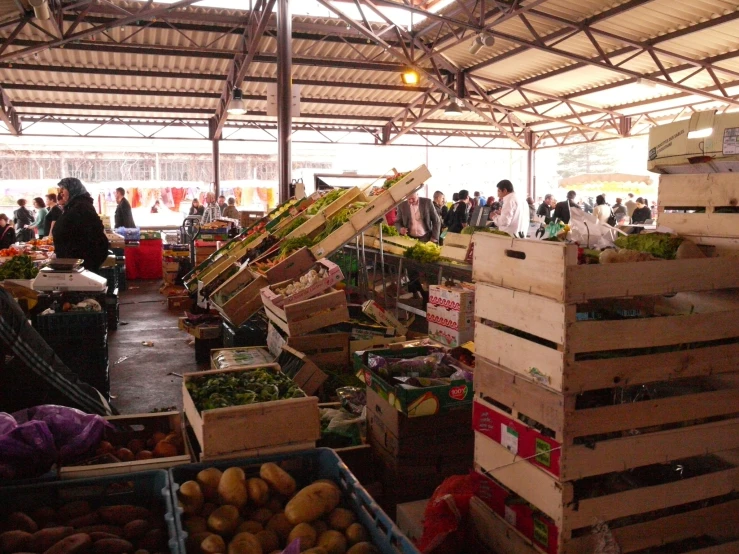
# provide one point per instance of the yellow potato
(244, 543)
(316, 550)
(356, 533)
(208, 479)
(258, 491)
(193, 542)
(280, 525)
(275, 505)
(262, 515)
(312, 502)
(278, 478)
(213, 544)
(320, 526)
(341, 518)
(307, 535)
(363, 548)
(191, 497)
(195, 524)
(224, 520)
(269, 540)
(252, 527)
(333, 541)
(232, 487)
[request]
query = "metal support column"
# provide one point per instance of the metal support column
(530, 178)
(216, 167)
(284, 97)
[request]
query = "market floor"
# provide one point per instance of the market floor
(140, 379)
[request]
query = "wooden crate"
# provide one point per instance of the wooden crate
(128, 427)
(326, 350)
(215, 269)
(456, 246)
(550, 269)
(227, 432)
(291, 267)
(203, 332)
(309, 315)
(245, 303)
(709, 194)
(334, 241)
(179, 303)
(716, 246)
(388, 248)
(308, 376)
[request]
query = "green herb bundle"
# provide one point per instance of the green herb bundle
(660, 245)
(339, 219)
(293, 244)
(325, 201)
(290, 227)
(389, 230)
(426, 252)
(18, 267)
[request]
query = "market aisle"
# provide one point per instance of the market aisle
(141, 383)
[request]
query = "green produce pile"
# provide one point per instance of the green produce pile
(389, 231)
(293, 244)
(426, 252)
(339, 219)
(19, 267)
(660, 245)
(390, 182)
(470, 230)
(241, 388)
(290, 227)
(325, 201)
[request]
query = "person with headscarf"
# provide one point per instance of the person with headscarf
(79, 232)
(212, 211)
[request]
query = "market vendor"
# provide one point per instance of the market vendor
(79, 232)
(32, 374)
(7, 232)
(513, 216)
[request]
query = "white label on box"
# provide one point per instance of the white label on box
(731, 141)
(509, 438)
(510, 516)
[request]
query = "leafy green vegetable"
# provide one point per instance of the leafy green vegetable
(426, 252)
(290, 227)
(18, 267)
(389, 231)
(241, 388)
(325, 201)
(660, 245)
(295, 243)
(339, 219)
(390, 182)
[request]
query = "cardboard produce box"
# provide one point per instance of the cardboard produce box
(457, 298)
(454, 320)
(450, 337)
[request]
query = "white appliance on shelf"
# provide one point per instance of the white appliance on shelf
(68, 275)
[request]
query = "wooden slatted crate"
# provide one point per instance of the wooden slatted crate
(456, 246)
(308, 315)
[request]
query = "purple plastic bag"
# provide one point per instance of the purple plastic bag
(75, 433)
(27, 450)
(293, 547)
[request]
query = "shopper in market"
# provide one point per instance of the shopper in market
(532, 208)
(630, 205)
(418, 219)
(562, 209)
(196, 208)
(546, 207)
(222, 203)
(79, 232)
(23, 218)
(513, 216)
(642, 213)
(602, 211)
(31, 373)
(459, 215)
(212, 211)
(123, 213)
(231, 211)
(40, 222)
(7, 232)
(441, 208)
(53, 216)
(619, 210)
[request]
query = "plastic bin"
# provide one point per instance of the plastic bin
(90, 327)
(140, 489)
(122, 285)
(306, 467)
(251, 333)
(112, 308)
(111, 274)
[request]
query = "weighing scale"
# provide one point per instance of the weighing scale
(67, 274)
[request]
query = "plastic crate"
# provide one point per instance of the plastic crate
(140, 489)
(306, 467)
(251, 333)
(122, 284)
(112, 308)
(204, 346)
(90, 327)
(111, 274)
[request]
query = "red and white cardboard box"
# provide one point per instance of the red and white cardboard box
(459, 299)
(450, 337)
(279, 300)
(456, 321)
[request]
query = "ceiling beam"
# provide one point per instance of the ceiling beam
(413, 115)
(8, 114)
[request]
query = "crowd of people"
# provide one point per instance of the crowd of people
(213, 210)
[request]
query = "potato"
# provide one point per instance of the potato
(307, 535)
(208, 508)
(73, 544)
(213, 544)
(245, 543)
(258, 491)
(93, 518)
(232, 487)
(252, 527)
(191, 497)
(19, 521)
(195, 524)
(15, 541)
(46, 538)
(44, 514)
(363, 548)
(154, 541)
(333, 541)
(312, 502)
(278, 478)
(134, 530)
(192, 543)
(73, 509)
(275, 505)
(110, 529)
(269, 540)
(320, 526)
(224, 520)
(316, 550)
(356, 533)
(341, 518)
(262, 515)
(99, 535)
(209, 479)
(112, 546)
(122, 514)
(280, 525)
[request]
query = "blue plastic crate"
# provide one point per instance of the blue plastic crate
(306, 467)
(141, 489)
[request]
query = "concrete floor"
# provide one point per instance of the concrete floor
(141, 382)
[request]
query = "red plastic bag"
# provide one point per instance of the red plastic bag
(445, 518)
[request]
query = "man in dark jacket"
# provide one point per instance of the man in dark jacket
(562, 209)
(459, 215)
(22, 218)
(123, 213)
(545, 208)
(418, 219)
(79, 232)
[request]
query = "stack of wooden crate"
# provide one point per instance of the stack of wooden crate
(607, 394)
(703, 208)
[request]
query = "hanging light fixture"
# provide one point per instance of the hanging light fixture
(40, 9)
(453, 109)
(237, 106)
(410, 77)
(481, 40)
